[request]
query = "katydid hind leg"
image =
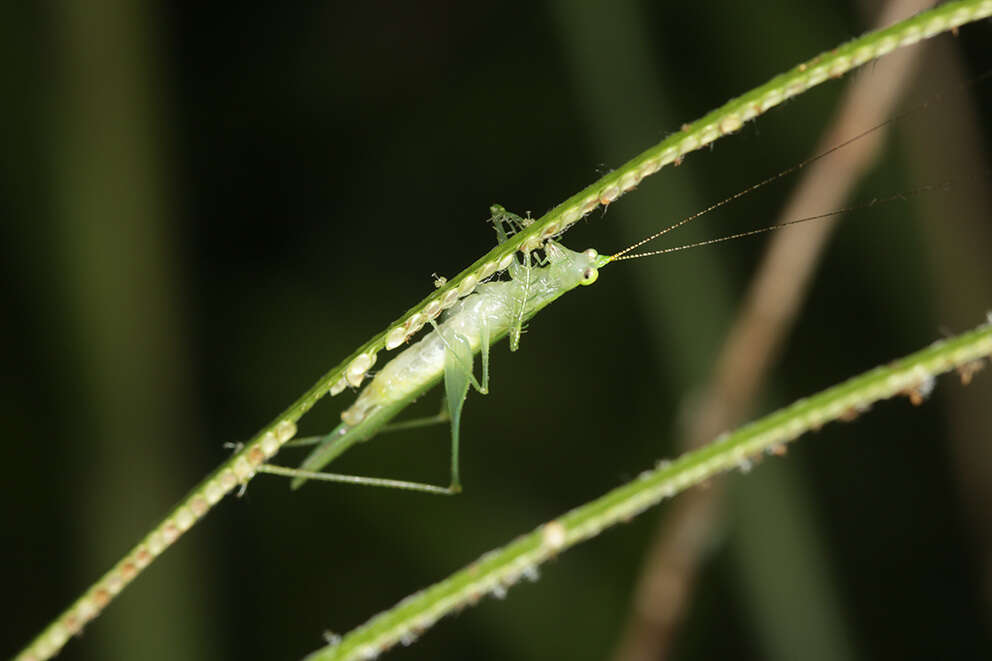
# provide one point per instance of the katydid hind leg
(339, 440)
(303, 475)
(456, 383)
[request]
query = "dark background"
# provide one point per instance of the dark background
(207, 205)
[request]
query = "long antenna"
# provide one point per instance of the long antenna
(945, 186)
(936, 98)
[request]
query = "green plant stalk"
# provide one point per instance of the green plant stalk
(493, 573)
(730, 117)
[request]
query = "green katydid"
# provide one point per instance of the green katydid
(495, 309)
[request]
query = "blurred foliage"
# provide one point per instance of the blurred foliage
(303, 169)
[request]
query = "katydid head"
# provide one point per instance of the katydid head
(574, 268)
(595, 261)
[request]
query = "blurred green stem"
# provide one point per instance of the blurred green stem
(114, 251)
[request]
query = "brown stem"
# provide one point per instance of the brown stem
(767, 315)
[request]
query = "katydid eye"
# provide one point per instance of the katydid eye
(589, 276)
